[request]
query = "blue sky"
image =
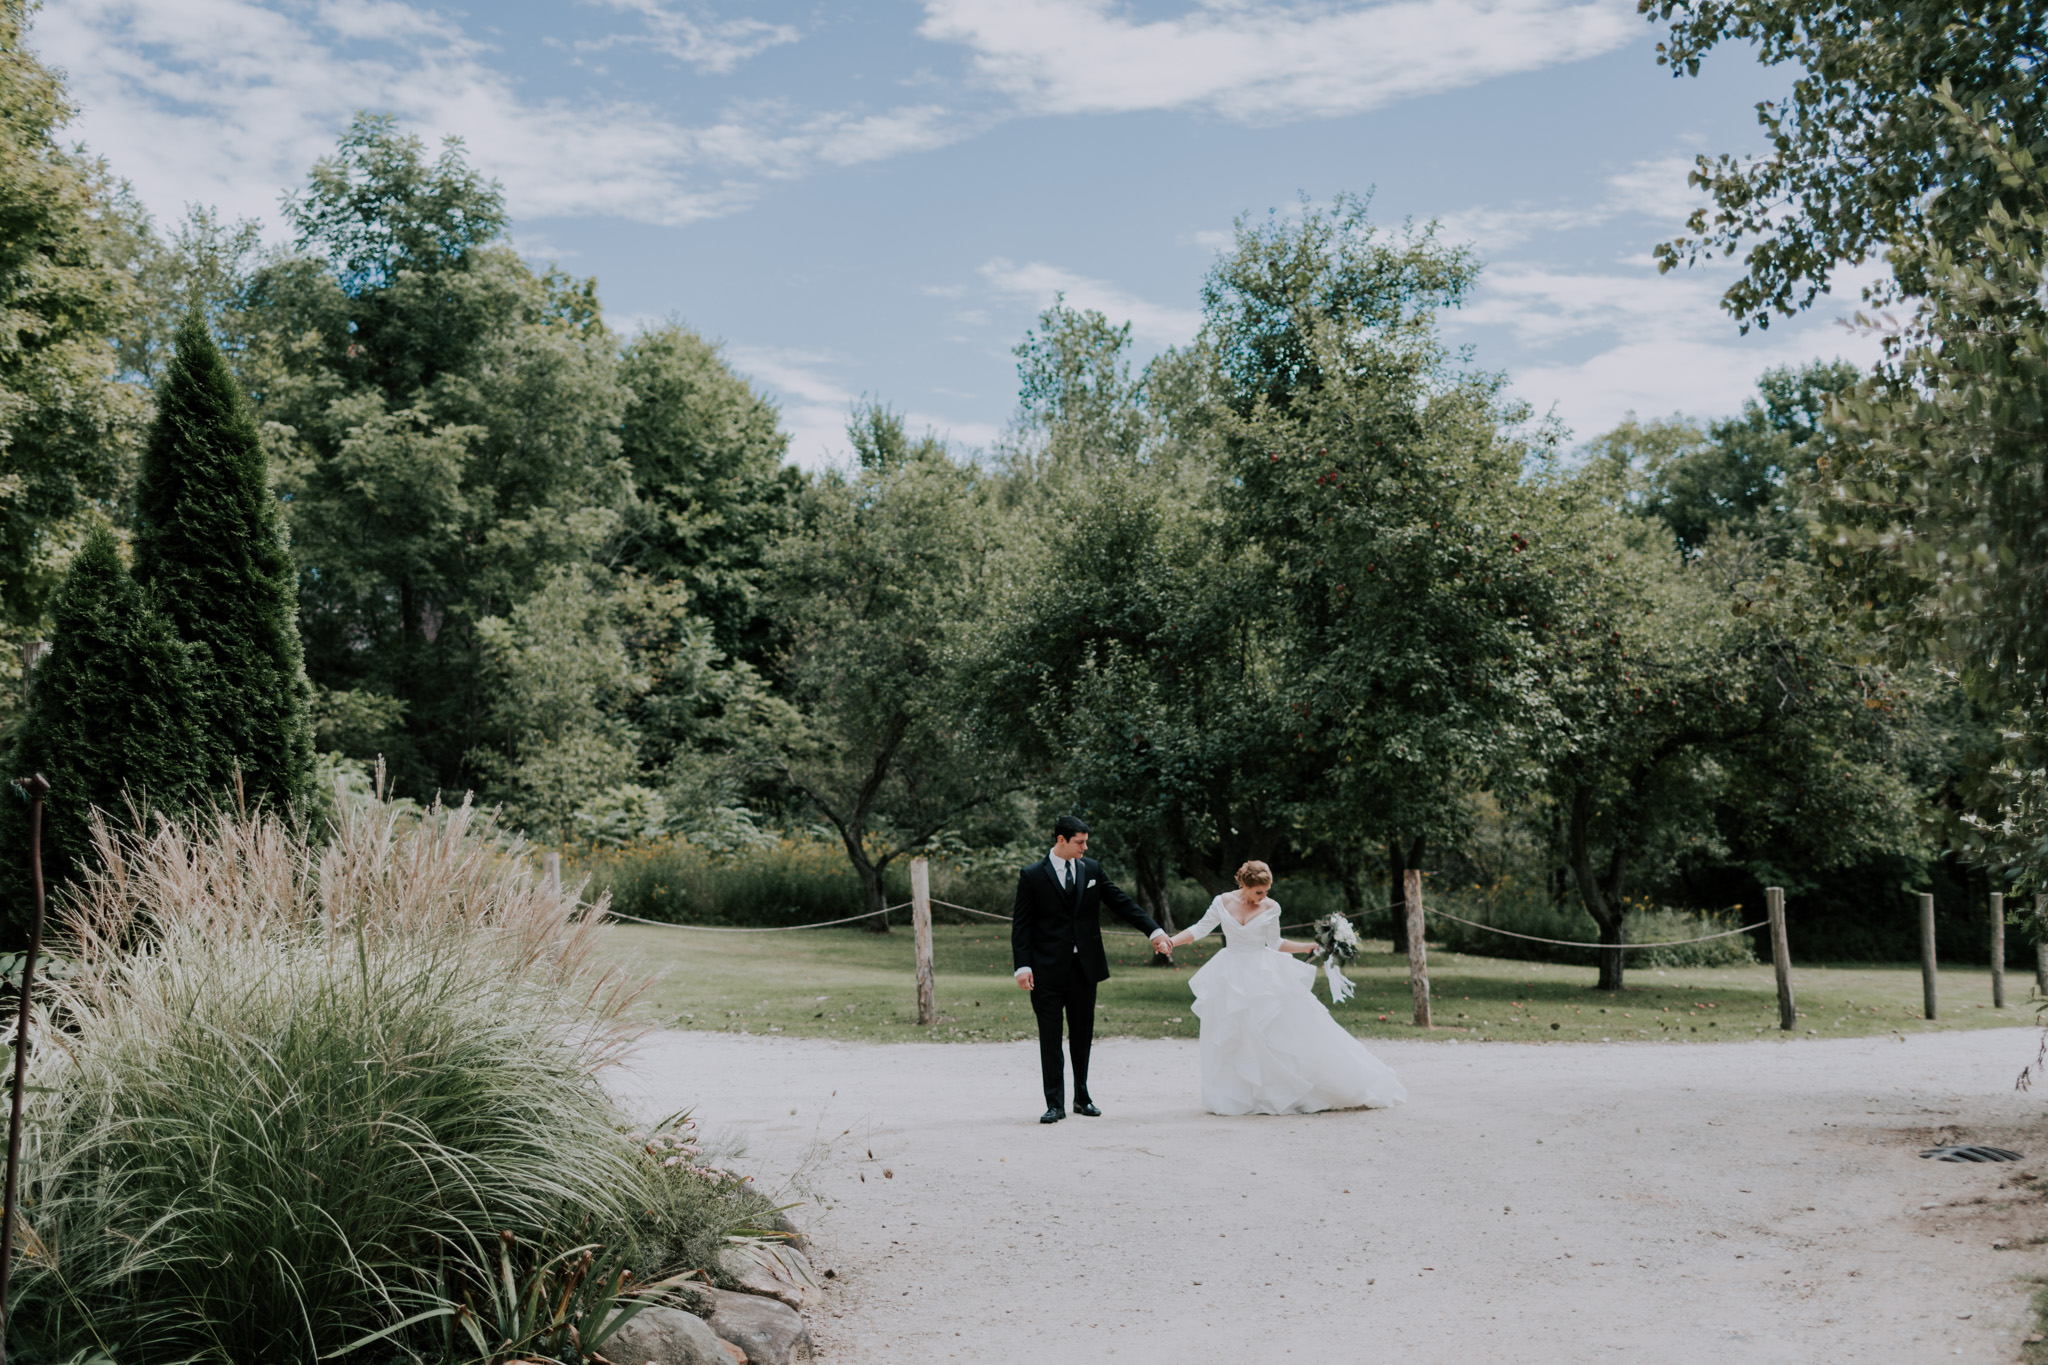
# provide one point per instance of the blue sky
(876, 199)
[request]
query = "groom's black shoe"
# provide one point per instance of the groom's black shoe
(1052, 1115)
(1084, 1105)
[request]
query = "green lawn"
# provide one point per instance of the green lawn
(835, 983)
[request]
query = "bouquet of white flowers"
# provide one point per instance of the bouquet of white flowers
(1338, 944)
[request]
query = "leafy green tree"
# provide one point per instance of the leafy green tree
(205, 267)
(1382, 483)
(114, 717)
(1080, 406)
(1708, 709)
(210, 547)
(1862, 155)
(1281, 307)
(446, 425)
(1128, 662)
(1108, 598)
(1939, 507)
(712, 492)
(68, 427)
(880, 586)
(602, 682)
(563, 679)
(1752, 474)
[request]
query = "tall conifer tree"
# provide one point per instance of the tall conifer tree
(210, 547)
(113, 715)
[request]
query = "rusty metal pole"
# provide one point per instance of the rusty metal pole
(36, 787)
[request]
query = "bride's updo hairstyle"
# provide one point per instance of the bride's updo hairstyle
(1255, 873)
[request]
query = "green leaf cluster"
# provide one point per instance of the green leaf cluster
(68, 426)
(1862, 154)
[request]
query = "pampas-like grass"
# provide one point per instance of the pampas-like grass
(297, 1085)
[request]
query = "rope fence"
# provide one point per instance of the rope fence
(738, 929)
(1125, 933)
(921, 903)
(1570, 943)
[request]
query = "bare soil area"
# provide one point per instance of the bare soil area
(1753, 1202)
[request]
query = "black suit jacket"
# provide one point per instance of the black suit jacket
(1047, 926)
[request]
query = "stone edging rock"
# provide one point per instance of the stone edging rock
(759, 1324)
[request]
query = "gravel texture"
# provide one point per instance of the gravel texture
(1753, 1202)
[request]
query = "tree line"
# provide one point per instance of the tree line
(1311, 588)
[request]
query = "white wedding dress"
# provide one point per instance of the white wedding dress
(1268, 1045)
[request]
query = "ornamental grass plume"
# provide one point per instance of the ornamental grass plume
(298, 1086)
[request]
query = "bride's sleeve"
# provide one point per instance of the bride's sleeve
(1211, 918)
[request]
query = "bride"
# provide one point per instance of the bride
(1268, 1045)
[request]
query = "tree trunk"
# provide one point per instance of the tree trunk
(1399, 860)
(1603, 904)
(871, 893)
(1611, 959)
(1354, 893)
(1559, 876)
(1148, 866)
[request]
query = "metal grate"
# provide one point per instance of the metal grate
(1970, 1154)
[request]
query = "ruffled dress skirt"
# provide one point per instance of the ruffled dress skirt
(1269, 1047)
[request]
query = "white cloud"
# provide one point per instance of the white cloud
(1635, 341)
(816, 404)
(1655, 189)
(228, 102)
(706, 43)
(1260, 61)
(1040, 284)
(384, 19)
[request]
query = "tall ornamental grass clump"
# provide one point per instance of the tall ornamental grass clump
(302, 1089)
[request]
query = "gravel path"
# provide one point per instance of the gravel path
(1753, 1202)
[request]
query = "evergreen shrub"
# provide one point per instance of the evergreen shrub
(210, 543)
(112, 718)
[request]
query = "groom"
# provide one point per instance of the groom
(1056, 942)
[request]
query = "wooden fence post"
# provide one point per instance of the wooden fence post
(2041, 946)
(1781, 957)
(551, 873)
(1418, 955)
(1998, 950)
(921, 931)
(1927, 952)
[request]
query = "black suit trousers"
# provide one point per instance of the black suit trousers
(1071, 1002)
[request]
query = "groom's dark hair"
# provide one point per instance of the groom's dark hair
(1067, 826)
